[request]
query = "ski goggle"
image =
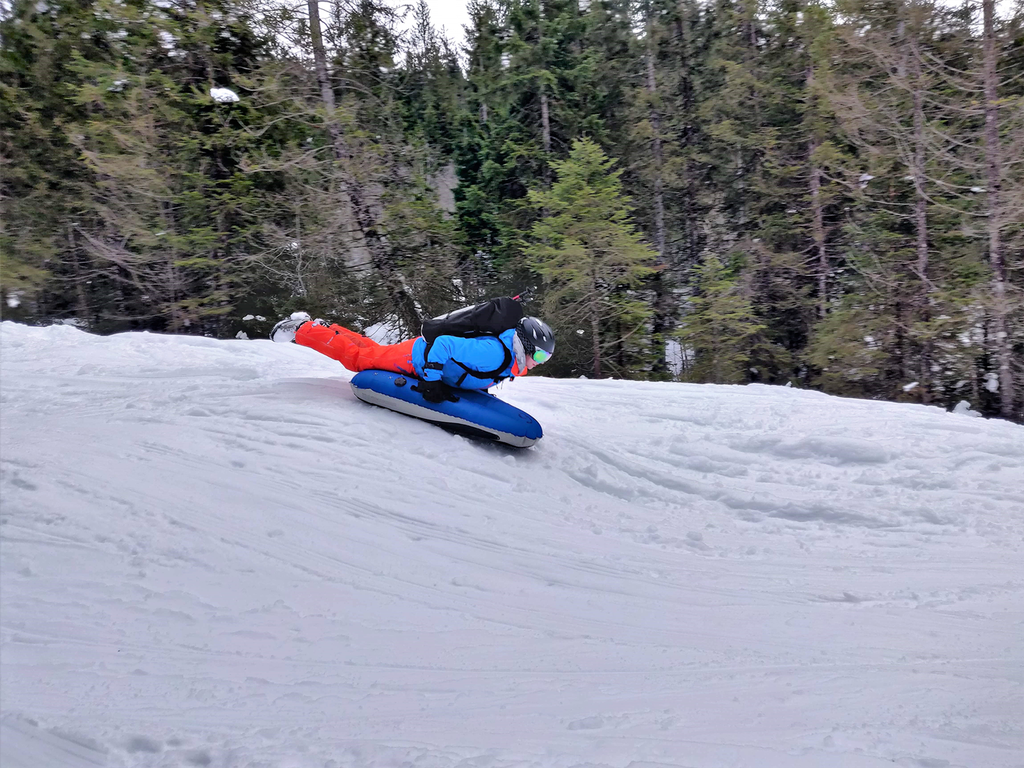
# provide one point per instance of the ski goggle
(541, 355)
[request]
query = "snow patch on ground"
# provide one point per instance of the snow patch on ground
(214, 555)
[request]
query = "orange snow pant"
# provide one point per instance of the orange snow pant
(356, 352)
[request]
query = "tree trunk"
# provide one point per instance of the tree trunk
(320, 61)
(82, 308)
(750, 21)
(901, 346)
(818, 232)
(995, 246)
(171, 276)
(545, 113)
(817, 212)
(921, 227)
(402, 303)
(655, 117)
(686, 136)
(921, 201)
(662, 310)
(545, 121)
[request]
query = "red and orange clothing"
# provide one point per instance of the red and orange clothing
(451, 359)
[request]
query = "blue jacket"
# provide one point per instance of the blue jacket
(451, 356)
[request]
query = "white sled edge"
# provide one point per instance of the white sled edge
(436, 417)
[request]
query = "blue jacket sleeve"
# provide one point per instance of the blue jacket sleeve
(438, 353)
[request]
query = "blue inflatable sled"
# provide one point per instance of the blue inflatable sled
(476, 414)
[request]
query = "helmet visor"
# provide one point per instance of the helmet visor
(541, 355)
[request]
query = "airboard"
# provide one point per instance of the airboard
(476, 414)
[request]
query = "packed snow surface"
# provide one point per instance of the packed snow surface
(214, 555)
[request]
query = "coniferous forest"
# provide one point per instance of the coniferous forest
(824, 193)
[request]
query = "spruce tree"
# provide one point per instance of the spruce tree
(161, 204)
(592, 259)
(721, 329)
(44, 184)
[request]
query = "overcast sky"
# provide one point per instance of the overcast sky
(452, 16)
(449, 14)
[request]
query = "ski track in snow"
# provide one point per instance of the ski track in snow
(214, 555)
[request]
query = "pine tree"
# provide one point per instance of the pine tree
(481, 158)
(908, 98)
(592, 258)
(721, 329)
(363, 236)
(533, 85)
(759, 122)
(44, 181)
(160, 199)
(997, 211)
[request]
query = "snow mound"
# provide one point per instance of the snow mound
(213, 555)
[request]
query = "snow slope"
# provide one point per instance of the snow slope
(214, 555)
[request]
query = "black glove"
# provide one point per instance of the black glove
(436, 391)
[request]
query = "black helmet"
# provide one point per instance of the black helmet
(536, 335)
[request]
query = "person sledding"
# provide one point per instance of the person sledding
(466, 349)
